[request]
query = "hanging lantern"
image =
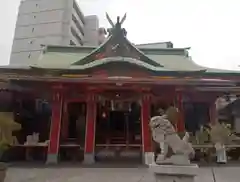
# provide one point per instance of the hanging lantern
(104, 115)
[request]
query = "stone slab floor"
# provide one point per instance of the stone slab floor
(107, 174)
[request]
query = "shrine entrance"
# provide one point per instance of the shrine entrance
(118, 129)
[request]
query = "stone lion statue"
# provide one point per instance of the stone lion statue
(163, 133)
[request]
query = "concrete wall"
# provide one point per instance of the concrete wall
(49, 22)
(31, 44)
(30, 6)
(25, 58)
(91, 30)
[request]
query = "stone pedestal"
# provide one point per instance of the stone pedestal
(174, 173)
(52, 159)
(148, 158)
(89, 158)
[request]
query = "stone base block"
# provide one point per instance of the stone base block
(52, 159)
(105, 154)
(170, 173)
(148, 158)
(89, 158)
(179, 160)
(130, 154)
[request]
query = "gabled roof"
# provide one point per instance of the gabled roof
(174, 59)
(117, 45)
(64, 57)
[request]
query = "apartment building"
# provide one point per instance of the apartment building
(54, 22)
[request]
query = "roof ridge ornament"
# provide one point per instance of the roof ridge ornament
(123, 18)
(117, 27)
(109, 20)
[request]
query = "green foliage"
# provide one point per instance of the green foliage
(202, 137)
(4, 145)
(220, 133)
(7, 126)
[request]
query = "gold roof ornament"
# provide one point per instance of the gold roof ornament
(119, 22)
(117, 27)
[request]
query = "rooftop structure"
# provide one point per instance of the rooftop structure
(57, 22)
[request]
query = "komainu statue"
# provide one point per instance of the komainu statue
(163, 132)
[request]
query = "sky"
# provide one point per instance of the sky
(209, 27)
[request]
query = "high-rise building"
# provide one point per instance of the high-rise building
(55, 22)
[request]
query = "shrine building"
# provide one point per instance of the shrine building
(96, 102)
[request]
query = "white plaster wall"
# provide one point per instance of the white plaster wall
(25, 58)
(91, 30)
(30, 6)
(40, 18)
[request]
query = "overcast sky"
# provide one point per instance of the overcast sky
(210, 27)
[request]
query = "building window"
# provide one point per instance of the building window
(79, 13)
(74, 19)
(74, 33)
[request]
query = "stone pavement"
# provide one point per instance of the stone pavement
(138, 174)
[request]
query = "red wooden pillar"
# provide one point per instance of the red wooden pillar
(180, 124)
(89, 155)
(146, 134)
(53, 147)
(65, 121)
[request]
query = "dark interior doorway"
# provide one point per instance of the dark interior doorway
(117, 121)
(118, 132)
(118, 126)
(34, 115)
(73, 143)
(196, 115)
(77, 121)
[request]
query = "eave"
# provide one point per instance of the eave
(122, 79)
(64, 75)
